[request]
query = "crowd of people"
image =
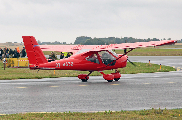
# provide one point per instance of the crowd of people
(9, 53)
(65, 55)
(52, 56)
(16, 53)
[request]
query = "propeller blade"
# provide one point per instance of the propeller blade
(131, 62)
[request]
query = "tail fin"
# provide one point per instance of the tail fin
(34, 53)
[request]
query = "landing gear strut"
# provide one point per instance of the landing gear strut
(84, 77)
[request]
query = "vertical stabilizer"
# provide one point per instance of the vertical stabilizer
(34, 53)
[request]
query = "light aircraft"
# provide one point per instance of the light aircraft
(85, 57)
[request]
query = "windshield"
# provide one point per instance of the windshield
(113, 53)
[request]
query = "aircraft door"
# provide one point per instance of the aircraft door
(107, 58)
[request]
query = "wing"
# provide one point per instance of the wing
(135, 45)
(59, 48)
(68, 48)
(76, 48)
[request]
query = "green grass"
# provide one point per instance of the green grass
(107, 115)
(25, 73)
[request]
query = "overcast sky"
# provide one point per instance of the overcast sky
(64, 20)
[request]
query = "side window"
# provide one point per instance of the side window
(93, 58)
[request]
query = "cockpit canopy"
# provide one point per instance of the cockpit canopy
(106, 57)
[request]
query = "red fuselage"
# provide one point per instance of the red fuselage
(82, 63)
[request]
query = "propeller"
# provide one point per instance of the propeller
(131, 62)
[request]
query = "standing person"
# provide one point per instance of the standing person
(68, 55)
(6, 52)
(16, 53)
(62, 56)
(23, 52)
(10, 53)
(53, 56)
(50, 58)
(1, 53)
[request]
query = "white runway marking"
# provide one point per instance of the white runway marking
(21, 87)
(171, 82)
(146, 83)
(114, 84)
(83, 85)
(54, 86)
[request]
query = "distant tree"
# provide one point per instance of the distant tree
(118, 40)
(110, 40)
(81, 39)
(148, 40)
(155, 39)
(94, 41)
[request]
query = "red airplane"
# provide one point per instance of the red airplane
(85, 57)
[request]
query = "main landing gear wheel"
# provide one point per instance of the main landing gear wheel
(109, 80)
(116, 79)
(84, 80)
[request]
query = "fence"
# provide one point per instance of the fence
(17, 62)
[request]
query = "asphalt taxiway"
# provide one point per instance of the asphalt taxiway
(173, 61)
(132, 92)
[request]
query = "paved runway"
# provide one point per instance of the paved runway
(132, 92)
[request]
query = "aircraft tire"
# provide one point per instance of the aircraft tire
(84, 80)
(109, 80)
(116, 79)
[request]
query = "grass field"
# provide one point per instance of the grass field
(107, 115)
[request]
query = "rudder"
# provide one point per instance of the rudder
(34, 53)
